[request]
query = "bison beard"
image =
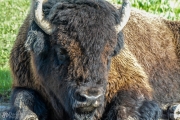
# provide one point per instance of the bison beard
(73, 62)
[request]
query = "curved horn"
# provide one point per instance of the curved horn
(124, 15)
(39, 18)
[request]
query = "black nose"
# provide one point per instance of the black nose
(88, 95)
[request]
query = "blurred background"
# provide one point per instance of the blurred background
(13, 12)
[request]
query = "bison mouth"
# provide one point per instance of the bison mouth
(85, 112)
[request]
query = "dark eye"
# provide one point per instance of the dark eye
(64, 22)
(60, 55)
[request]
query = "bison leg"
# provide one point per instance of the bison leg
(25, 104)
(149, 111)
(174, 111)
(126, 106)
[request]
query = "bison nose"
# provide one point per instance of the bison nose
(89, 95)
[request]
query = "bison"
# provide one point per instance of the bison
(83, 60)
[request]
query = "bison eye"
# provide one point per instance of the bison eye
(60, 54)
(64, 22)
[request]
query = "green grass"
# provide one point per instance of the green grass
(6, 78)
(169, 9)
(5, 83)
(13, 13)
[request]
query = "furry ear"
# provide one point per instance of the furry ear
(37, 40)
(120, 44)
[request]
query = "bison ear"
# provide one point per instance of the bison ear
(37, 40)
(119, 45)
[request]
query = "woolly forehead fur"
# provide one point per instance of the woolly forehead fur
(86, 29)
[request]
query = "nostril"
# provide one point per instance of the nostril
(79, 97)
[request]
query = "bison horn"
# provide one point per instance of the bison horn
(124, 15)
(48, 28)
(39, 18)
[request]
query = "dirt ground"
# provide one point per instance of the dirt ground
(4, 103)
(3, 107)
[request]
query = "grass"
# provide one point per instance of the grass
(13, 13)
(6, 79)
(5, 83)
(165, 8)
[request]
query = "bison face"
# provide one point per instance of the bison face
(72, 63)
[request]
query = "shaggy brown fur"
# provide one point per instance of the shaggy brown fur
(155, 44)
(147, 68)
(152, 51)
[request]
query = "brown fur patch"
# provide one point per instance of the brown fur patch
(154, 44)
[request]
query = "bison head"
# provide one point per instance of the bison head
(71, 44)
